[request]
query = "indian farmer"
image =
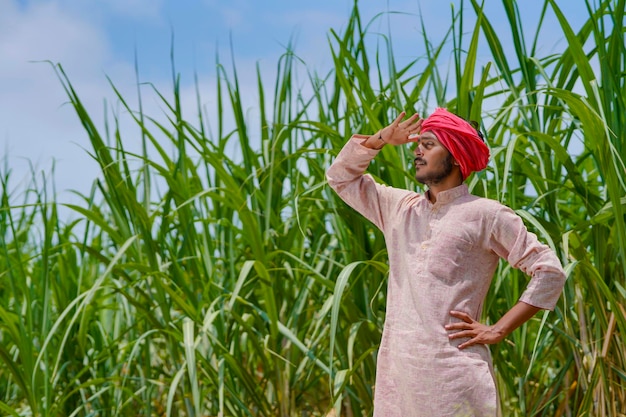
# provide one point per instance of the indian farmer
(444, 246)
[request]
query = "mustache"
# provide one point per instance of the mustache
(418, 159)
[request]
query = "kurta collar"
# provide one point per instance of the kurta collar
(447, 196)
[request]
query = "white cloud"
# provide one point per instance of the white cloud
(36, 125)
(44, 32)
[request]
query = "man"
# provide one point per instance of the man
(444, 247)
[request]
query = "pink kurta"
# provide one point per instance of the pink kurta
(442, 257)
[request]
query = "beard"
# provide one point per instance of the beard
(438, 174)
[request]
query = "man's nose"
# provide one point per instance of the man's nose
(418, 150)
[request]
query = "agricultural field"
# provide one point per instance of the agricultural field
(194, 281)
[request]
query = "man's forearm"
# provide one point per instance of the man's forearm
(479, 333)
(519, 314)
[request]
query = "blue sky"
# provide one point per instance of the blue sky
(97, 38)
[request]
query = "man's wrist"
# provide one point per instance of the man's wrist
(380, 139)
(499, 331)
(375, 141)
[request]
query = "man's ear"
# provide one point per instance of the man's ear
(454, 162)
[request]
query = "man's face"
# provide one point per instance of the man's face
(433, 162)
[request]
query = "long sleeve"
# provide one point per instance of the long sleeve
(512, 241)
(347, 177)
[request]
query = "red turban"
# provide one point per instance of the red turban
(460, 139)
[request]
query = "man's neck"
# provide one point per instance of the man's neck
(435, 189)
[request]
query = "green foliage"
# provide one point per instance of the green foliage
(198, 283)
